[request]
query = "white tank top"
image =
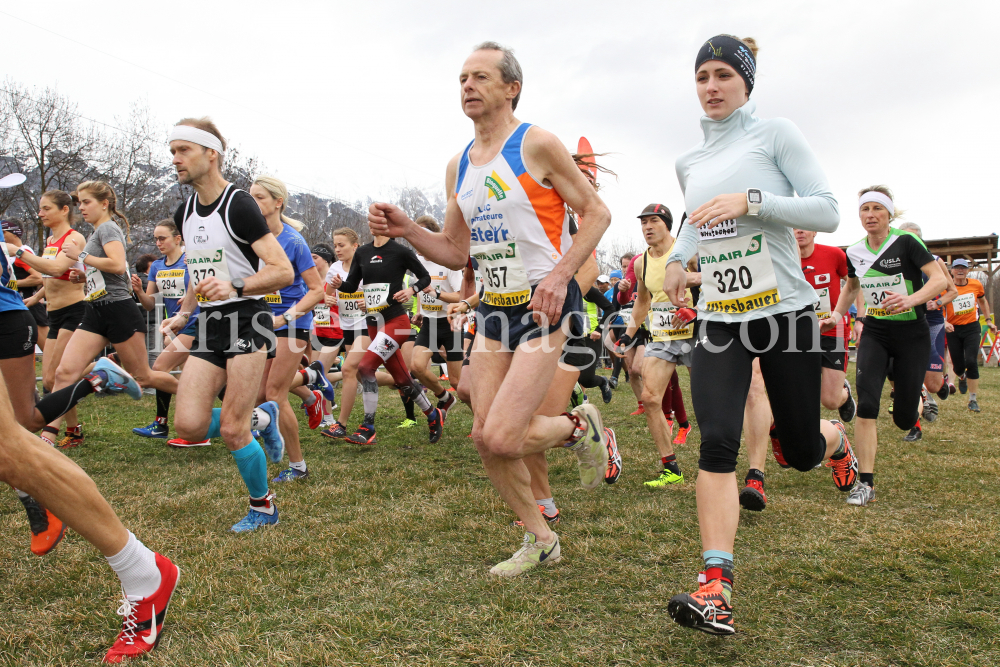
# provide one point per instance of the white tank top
(350, 306)
(518, 225)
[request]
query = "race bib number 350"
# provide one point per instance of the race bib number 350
(737, 275)
(504, 278)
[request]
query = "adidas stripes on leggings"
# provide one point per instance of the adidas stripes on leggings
(791, 363)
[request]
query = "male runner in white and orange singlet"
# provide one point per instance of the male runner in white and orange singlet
(507, 195)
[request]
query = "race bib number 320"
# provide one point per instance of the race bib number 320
(505, 281)
(738, 275)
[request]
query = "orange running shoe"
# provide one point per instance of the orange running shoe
(641, 410)
(315, 411)
(614, 470)
(73, 438)
(46, 530)
(707, 609)
(845, 469)
(682, 435)
(776, 448)
(142, 624)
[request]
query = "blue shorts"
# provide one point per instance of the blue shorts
(514, 325)
(192, 327)
(936, 363)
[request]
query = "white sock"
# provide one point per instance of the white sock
(21, 494)
(310, 400)
(298, 465)
(549, 504)
(259, 420)
(972, 396)
(135, 566)
(312, 377)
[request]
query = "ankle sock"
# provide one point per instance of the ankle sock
(215, 426)
(549, 504)
(309, 376)
(259, 420)
(753, 473)
(252, 464)
(868, 478)
(670, 463)
(162, 405)
(135, 566)
(21, 494)
(841, 450)
(310, 399)
(298, 465)
(972, 396)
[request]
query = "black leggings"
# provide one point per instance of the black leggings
(963, 345)
(588, 376)
(908, 346)
(721, 370)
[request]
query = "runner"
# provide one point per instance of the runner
(378, 269)
(326, 341)
(234, 260)
(740, 185)
(292, 311)
(29, 281)
(887, 266)
(636, 353)
(511, 185)
(671, 332)
(64, 298)
(436, 333)
(964, 332)
(111, 316)
(148, 580)
(168, 276)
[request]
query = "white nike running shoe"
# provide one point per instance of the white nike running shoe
(592, 448)
(531, 554)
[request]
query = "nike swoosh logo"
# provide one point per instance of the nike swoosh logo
(596, 437)
(151, 638)
(544, 555)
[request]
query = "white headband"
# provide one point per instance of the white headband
(196, 136)
(879, 198)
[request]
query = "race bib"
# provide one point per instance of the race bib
(96, 287)
(737, 275)
(321, 316)
(626, 314)
(430, 303)
(376, 296)
(823, 294)
(274, 297)
(877, 288)
(351, 306)
(171, 283)
(504, 278)
(205, 262)
(661, 317)
(383, 346)
(964, 303)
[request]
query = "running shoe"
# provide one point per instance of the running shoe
(46, 530)
(752, 496)
(641, 410)
(861, 495)
(613, 381)
(845, 469)
(577, 398)
(73, 438)
(327, 422)
(549, 518)
(365, 435)
(154, 430)
(109, 376)
(290, 475)
(274, 442)
(614, 470)
(315, 411)
(531, 554)
(892, 406)
(850, 407)
(682, 435)
(776, 447)
(666, 478)
(930, 411)
(963, 384)
(181, 443)
(707, 609)
(435, 422)
(914, 434)
(336, 430)
(447, 404)
(322, 384)
(974, 405)
(142, 624)
(606, 393)
(670, 426)
(255, 519)
(407, 423)
(951, 389)
(591, 448)
(943, 392)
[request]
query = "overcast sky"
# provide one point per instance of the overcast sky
(351, 99)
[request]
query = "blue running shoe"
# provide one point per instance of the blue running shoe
(112, 378)
(154, 430)
(323, 385)
(290, 475)
(254, 520)
(274, 442)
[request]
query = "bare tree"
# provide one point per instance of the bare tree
(610, 251)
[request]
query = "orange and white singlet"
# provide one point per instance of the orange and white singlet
(518, 225)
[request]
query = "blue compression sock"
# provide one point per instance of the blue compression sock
(253, 468)
(215, 428)
(716, 558)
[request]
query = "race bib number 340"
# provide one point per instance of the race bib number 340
(504, 279)
(738, 275)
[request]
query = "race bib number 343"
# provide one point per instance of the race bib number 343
(738, 275)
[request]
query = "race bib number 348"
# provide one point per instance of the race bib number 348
(738, 275)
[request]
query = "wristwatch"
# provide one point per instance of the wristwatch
(83, 255)
(754, 199)
(20, 251)
(437, 292)
(238, 285)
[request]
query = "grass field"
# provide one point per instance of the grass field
(382, 556)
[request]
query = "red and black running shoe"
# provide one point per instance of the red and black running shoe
(845, 469)
(314, 411)
(365, 435)
(707, 609)
(46, 530)
(142, 626)
(614, 469)
(776, 448)
(435, 422)
(446, 404)
(752, 496)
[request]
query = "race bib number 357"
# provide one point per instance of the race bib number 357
(737, 275)
(504, 279)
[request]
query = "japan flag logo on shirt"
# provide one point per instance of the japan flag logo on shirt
(821, 279)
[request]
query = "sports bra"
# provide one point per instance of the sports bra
(53, 248)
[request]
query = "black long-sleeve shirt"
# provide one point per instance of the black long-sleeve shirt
(382, 268)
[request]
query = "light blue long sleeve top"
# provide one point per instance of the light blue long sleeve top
(744, 151)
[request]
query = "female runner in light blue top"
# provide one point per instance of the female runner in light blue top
(740, 185)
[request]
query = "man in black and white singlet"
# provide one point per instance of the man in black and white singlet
(233, 260)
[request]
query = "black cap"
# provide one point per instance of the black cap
(324, 251)
(660, 210)
(12, 227)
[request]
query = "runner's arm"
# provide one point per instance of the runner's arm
(55, 266)
(310, 299)
(640, 310)
(146, 298)
(35, 298)
(277, 271)
(851, 291)
(114, 262)
(952, 291)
